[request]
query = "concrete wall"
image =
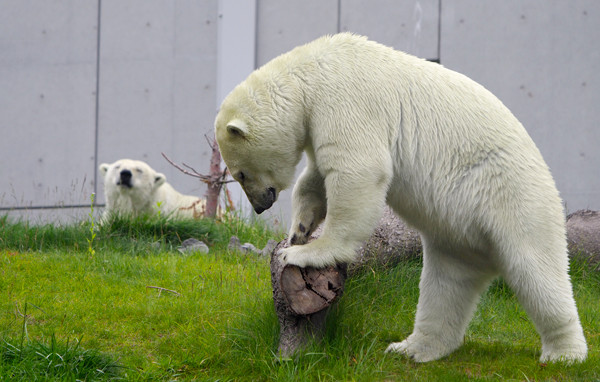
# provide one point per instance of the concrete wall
(86, 82)
(541, 58)
(47, 102)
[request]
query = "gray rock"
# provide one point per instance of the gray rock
(248, 248)
(271, 244)
(192, 245)
(235, 245)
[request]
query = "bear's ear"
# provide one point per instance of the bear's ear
(104, 169)
(159, 179)
(237, 127)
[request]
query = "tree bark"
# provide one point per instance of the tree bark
(583, 236)
(214, 188)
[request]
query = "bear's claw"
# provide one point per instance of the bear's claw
(302, 237)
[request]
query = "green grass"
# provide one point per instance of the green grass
(126, 235)
(38, 360)
(66, 314)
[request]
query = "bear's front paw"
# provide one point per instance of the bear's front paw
(422, 348)
(306, 256)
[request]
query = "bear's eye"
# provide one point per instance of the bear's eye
(139, 170)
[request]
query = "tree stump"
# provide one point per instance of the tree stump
(302, 298)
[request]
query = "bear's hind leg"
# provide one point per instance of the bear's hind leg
(449, 292)
(543, 287)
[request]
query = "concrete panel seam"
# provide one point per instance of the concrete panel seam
(97, 111)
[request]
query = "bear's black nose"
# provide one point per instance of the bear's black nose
(125, 178)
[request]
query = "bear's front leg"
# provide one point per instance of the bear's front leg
(309, 205)
(355, 202)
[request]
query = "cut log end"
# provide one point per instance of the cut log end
(309, 290)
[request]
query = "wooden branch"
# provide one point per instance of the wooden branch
(27, 315)
(194, 170)
(214, 181)
(204, 178)
(18, 312)
(161, 289)
(208, 140)
(194, 174)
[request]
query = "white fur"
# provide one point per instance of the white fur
(149, 192)
(378, 126)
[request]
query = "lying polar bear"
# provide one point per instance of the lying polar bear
(133, 187)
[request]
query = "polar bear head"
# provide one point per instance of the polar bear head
(131, 178)
(257, 145)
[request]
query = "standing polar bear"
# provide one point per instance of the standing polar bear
(132, 187)
(380, 126)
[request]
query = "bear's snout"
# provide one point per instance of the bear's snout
(125, 178)
(265, 201)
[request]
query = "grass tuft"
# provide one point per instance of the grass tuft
(37, 360)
